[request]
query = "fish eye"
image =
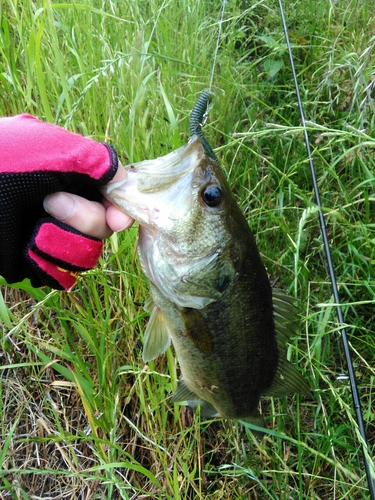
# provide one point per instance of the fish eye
(211, 195)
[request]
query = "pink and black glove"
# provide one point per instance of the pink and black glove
(36, 159)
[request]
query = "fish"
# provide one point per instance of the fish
(210, 292)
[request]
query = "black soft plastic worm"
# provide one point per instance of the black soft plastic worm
(197, 119)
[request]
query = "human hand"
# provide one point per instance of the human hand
(95, 219)
(39, 159)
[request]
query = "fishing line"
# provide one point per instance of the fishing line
(221, 19)
(344, 338)
(199, 114)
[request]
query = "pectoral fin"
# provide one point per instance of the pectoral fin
(157, 338)
(197, 330)
(149, 305)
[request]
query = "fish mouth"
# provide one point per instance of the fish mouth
(152, 186)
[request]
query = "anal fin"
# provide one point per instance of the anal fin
(255, 419)
(207, 410)
(183, 393)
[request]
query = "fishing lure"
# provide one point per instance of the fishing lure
(198, 118)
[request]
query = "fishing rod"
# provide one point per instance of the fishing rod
(323, 230)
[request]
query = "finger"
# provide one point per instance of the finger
(116, 219)
(86, 216)
(121, 174)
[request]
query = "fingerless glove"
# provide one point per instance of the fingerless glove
(36, 159)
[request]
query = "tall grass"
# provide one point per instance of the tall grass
(81, 416)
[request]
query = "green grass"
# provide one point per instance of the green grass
(81, 416)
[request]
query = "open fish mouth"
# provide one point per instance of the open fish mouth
(152, 187)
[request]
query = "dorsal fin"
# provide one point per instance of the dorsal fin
(286, 317)
(287, 379)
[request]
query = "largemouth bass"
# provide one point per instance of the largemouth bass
(210, 291)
